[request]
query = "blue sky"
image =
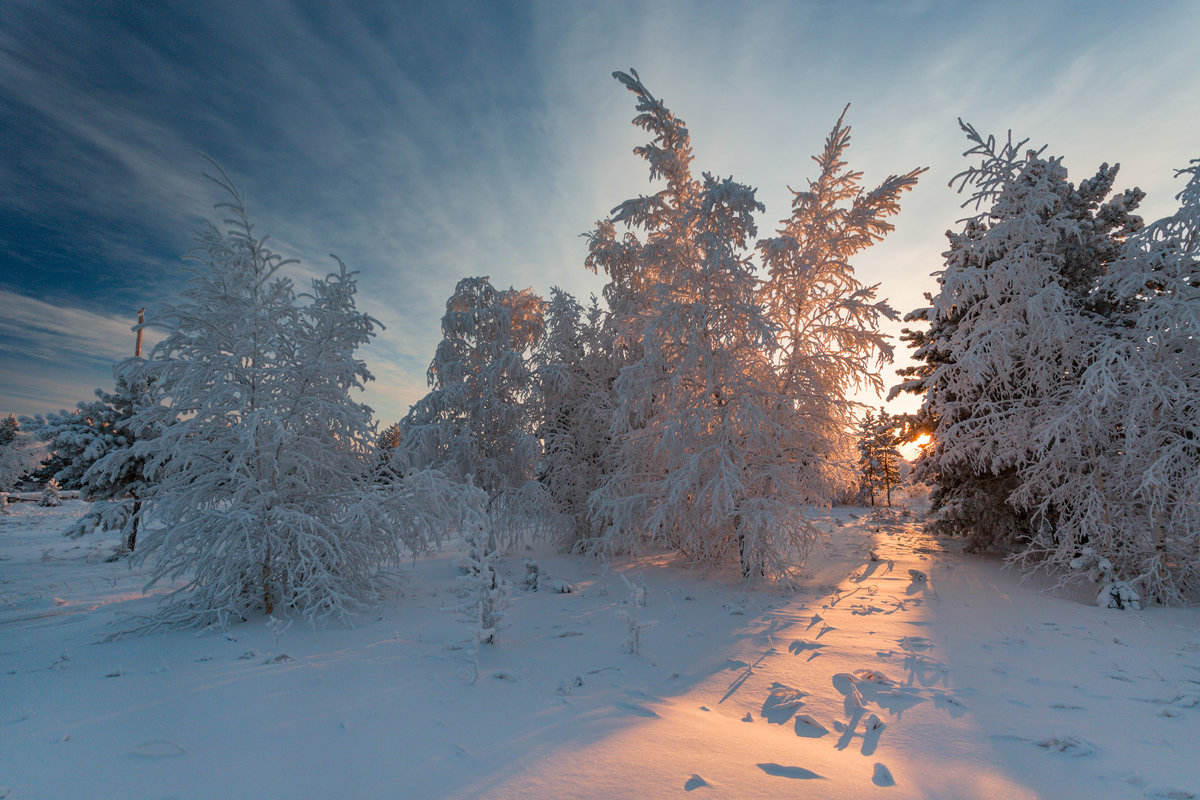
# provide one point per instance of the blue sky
(423, 142)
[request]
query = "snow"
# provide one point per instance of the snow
(867, 681)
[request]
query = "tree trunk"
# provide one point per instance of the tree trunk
(266, 588)
(131, 542)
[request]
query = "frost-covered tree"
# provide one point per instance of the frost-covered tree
(828, 322)
(94, 444)
(9, 426)
(387, 446)
(1009, 327)
(477, 422)
(879, 458)
(50, 497)
(486, 593)
(266, 501)
(391, 437)
(19, 455)
(1114, 480)
(575, 376)
(704, 448)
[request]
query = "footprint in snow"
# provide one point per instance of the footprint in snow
(693, 783)
(157, 748)
(781, 771)
(637, 708)
(882, 776)
(1171, 793)
(862, 610)
(952, 705)
(809, 728)
(1067, 745)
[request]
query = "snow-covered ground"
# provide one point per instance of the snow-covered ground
(871, 681)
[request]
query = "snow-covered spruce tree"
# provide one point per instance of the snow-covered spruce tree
(18, 457)
(265, 500)
(387, 445)
(390, 438)
(575, 379)
(703, 444)
(829, 340)
(1010, 329)
(8, 430)
(477, 422)
(879, 458)
(868, 464)
(95, 446)
(1115, 473)
(887, 446)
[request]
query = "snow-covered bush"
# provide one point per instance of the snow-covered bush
(23, 460)
(9, 426)
(19, 456)
(50, 497)
(266, 500)
(635, 626)
(533, 575)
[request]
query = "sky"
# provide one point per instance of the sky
(426, 142)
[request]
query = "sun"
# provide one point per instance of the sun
(910, 450)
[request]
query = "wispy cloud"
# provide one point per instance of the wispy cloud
(51, 331)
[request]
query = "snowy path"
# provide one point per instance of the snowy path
(957, 682)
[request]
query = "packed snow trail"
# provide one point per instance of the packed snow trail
(903, 669)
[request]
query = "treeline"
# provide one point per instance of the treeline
(702, 404)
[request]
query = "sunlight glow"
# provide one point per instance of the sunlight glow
(910, 450)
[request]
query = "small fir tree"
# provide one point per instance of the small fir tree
(95, 446)
(50, 497)
(575, 380)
